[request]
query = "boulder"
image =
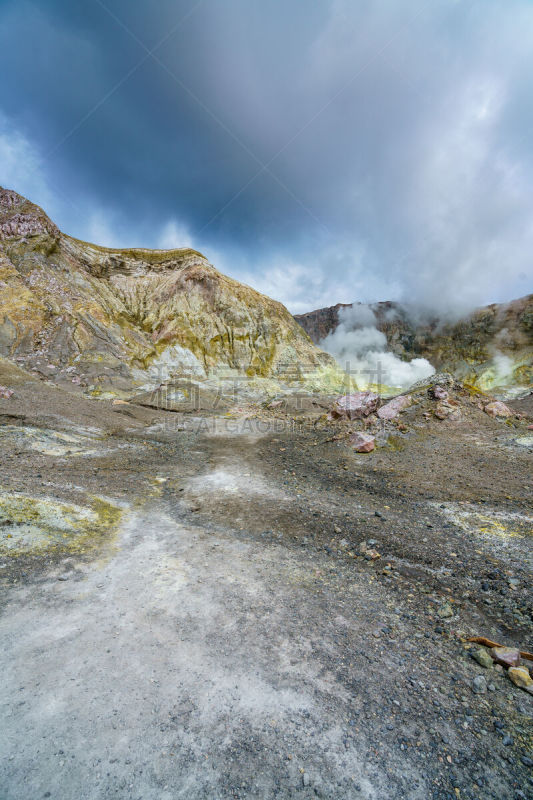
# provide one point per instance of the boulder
(363, 442)
(506, 656)
(355, 406)
(395, 406)
(498, 409)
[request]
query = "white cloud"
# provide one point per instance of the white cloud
(173, 235)
(21, 166)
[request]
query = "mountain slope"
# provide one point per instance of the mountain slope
(116, 320)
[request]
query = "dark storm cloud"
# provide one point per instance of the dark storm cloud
(323, 152)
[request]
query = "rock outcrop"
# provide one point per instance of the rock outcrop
(115, 321)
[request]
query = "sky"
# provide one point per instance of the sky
(336, 151)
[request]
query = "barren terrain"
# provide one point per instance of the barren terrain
(190, 615)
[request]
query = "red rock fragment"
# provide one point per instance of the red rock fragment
(391, 409)
(363, 442)
(506, 656)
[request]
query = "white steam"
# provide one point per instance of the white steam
(361, 349)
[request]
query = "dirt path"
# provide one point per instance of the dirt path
(228, 644)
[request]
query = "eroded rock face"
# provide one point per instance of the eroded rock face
(109, 319)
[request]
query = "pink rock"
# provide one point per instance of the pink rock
(5, 392)
(443, 410)
(439, 393)
(363, 442)
(506, 656)
(498, 409)
(391, 409)
(356, 405)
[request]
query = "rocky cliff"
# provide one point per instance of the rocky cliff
(113, 321)
(491, 347)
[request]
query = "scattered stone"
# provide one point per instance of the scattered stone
(443, 410)
(355, 406)
(482, 657)
(395, 406)
(363, 442)
(120, 403)
(507, 740)
(363, 547)
(498, 409)
(479, 685)
(372, 555)
(445, 610)
(520, 677)
(506, 656)
(305, 779)
(6, 393)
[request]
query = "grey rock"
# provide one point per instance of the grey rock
(479, 685)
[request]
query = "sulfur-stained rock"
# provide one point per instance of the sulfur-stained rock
(506, 656)
(363, 442)
(521, 677)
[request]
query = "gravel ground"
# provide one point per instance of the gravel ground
(220, 633)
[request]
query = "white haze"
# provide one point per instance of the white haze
(361, 349)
